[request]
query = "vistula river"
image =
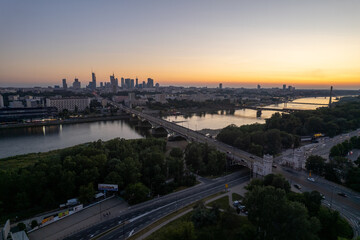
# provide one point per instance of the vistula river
(41, 139)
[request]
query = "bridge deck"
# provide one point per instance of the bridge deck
(234, 152)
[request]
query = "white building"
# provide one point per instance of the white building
(1, 101)
(297, 160)
(68, 103)
(265, 167)
(16, 104)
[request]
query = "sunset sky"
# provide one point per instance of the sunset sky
(307, 43)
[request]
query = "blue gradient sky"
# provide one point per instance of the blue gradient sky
(240, 43)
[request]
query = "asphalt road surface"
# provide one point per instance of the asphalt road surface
(348, 206)
(141, 215)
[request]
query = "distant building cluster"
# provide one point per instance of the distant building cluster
(113, 85)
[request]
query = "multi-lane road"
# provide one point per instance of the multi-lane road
(139, 216)
(348, 206)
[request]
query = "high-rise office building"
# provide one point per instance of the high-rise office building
(76, 84)
(127, 82)
(144, 85)
(64, 84)
(258, 86)
(93, 85)
(101, 84)
(122, 83)
(132, 83)
(137, 83)
(284, 87)
(1, 101)
(114, 83)
(150, 83)
(220, 85)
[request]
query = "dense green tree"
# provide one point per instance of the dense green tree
(353, 178)
(34, 224)
(316, 164)
(136, 193)
(277, 181)
(276, 217)
(332, 225)
(86, 193)
(21, 226)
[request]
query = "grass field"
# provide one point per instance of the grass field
(223, 202)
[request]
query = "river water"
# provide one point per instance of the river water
(41, 139)
(221, 119)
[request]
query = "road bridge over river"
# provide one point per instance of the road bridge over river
(258, 165)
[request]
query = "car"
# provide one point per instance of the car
(236, 203)
(342, 194)
(297, 186)
(311, 179)
(274, 166)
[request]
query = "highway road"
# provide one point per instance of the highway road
(139, 216)
(348, 206)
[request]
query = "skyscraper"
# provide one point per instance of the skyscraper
(137, 83)
(150, 83)
(131, 83)
(76, 84)
(284, 87)
(93, 85)
(127, 82)
(64, 84)
(122, 83)
(258, 86)
(220, 85)
(113, 83)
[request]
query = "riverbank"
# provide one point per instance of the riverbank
(65, 121)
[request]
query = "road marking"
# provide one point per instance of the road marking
(131, 233)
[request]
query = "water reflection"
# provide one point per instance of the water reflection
(223, 118)
(41, 139)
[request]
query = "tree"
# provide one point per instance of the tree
(316, 164)
(353, 179)
(34, 224)
(21, 226)
(202, 217)
(86, 193)
(276, 217)
(176, 153)
(332, 225)
(136, 193)
(312, 201)
(277, 181)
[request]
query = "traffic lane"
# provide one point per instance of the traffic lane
(220, 183)
(322, 188)
(327, 184)
(147, 220)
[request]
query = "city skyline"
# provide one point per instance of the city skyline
(241, 44)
